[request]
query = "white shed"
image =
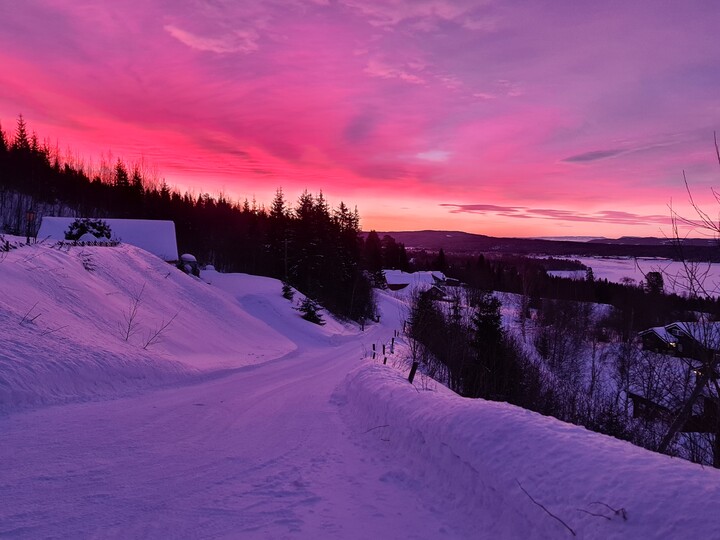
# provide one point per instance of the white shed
(153, 235)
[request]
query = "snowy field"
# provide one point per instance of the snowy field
(674, 273)
(245, 421)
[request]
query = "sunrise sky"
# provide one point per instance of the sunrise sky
(501, 117)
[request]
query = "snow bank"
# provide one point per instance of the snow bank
(262, 298)
(68, 332)
(481, 456)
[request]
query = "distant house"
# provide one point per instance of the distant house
(703, 420)
(437, 292)
(693, 343)
(398, 280)
(156, 236)
(658, 339)
(686, 339)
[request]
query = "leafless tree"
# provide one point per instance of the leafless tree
(129, 325)
(698, 285)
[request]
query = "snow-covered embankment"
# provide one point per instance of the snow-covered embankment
(493, 459)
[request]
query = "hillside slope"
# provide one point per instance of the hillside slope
(288, 430)
(68, 330)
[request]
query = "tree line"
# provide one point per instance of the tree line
(316, 248)
(638, 306)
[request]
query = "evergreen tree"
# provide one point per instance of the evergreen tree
(21, 142)
(122, 180)
(97, 227)
(311, 311)
(373, 252)
(3, 141)
(278, 210)
(486, 377)
(440, 263)
(287, 291)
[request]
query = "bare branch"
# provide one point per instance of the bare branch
(546, 510)
(27, 318)
(594, 514)
(47, 332)
(618, 512)
(376, 427)
(130, 325)
(154, 337)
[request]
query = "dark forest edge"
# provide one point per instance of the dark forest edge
(315, 248)
(319, 250)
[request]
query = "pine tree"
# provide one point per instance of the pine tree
(21, 142)
(373, 252)
(277, 209)
(287, 291)
(311, 311)
(440, 263)
(3, 141)
(122, 180)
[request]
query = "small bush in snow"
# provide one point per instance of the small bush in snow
(97, 227)
(311, 311)
(287, 291)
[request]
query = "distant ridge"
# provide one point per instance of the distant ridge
(571, 238)
(459, 242)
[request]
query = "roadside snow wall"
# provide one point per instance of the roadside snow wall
(483, 454)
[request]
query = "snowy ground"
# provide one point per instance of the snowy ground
(245, 421)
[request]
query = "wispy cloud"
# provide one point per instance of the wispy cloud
(433, 155)
(424, 14)
(594, 155)
(376, 68)
(521, 212)
(240, 41)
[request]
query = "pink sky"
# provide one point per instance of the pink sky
(518, 118)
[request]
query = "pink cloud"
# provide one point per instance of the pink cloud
(594, 110)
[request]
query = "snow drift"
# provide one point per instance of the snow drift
(493, 459)
(83, 323)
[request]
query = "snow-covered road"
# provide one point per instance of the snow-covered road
(246, 421)
(260, 453)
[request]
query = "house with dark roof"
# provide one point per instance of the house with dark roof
(692, 346)
(694, 340)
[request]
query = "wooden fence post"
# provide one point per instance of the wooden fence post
(413, 369)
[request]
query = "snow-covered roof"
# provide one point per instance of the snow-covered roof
(153, 235)
(398, 277)
(706, 334)
(661, 332)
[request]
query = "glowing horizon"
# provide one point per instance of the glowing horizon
(502, 118)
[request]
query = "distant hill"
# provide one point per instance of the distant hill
(459, 242)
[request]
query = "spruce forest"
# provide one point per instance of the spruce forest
(312, 246)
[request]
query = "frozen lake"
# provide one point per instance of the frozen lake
(675, 274)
